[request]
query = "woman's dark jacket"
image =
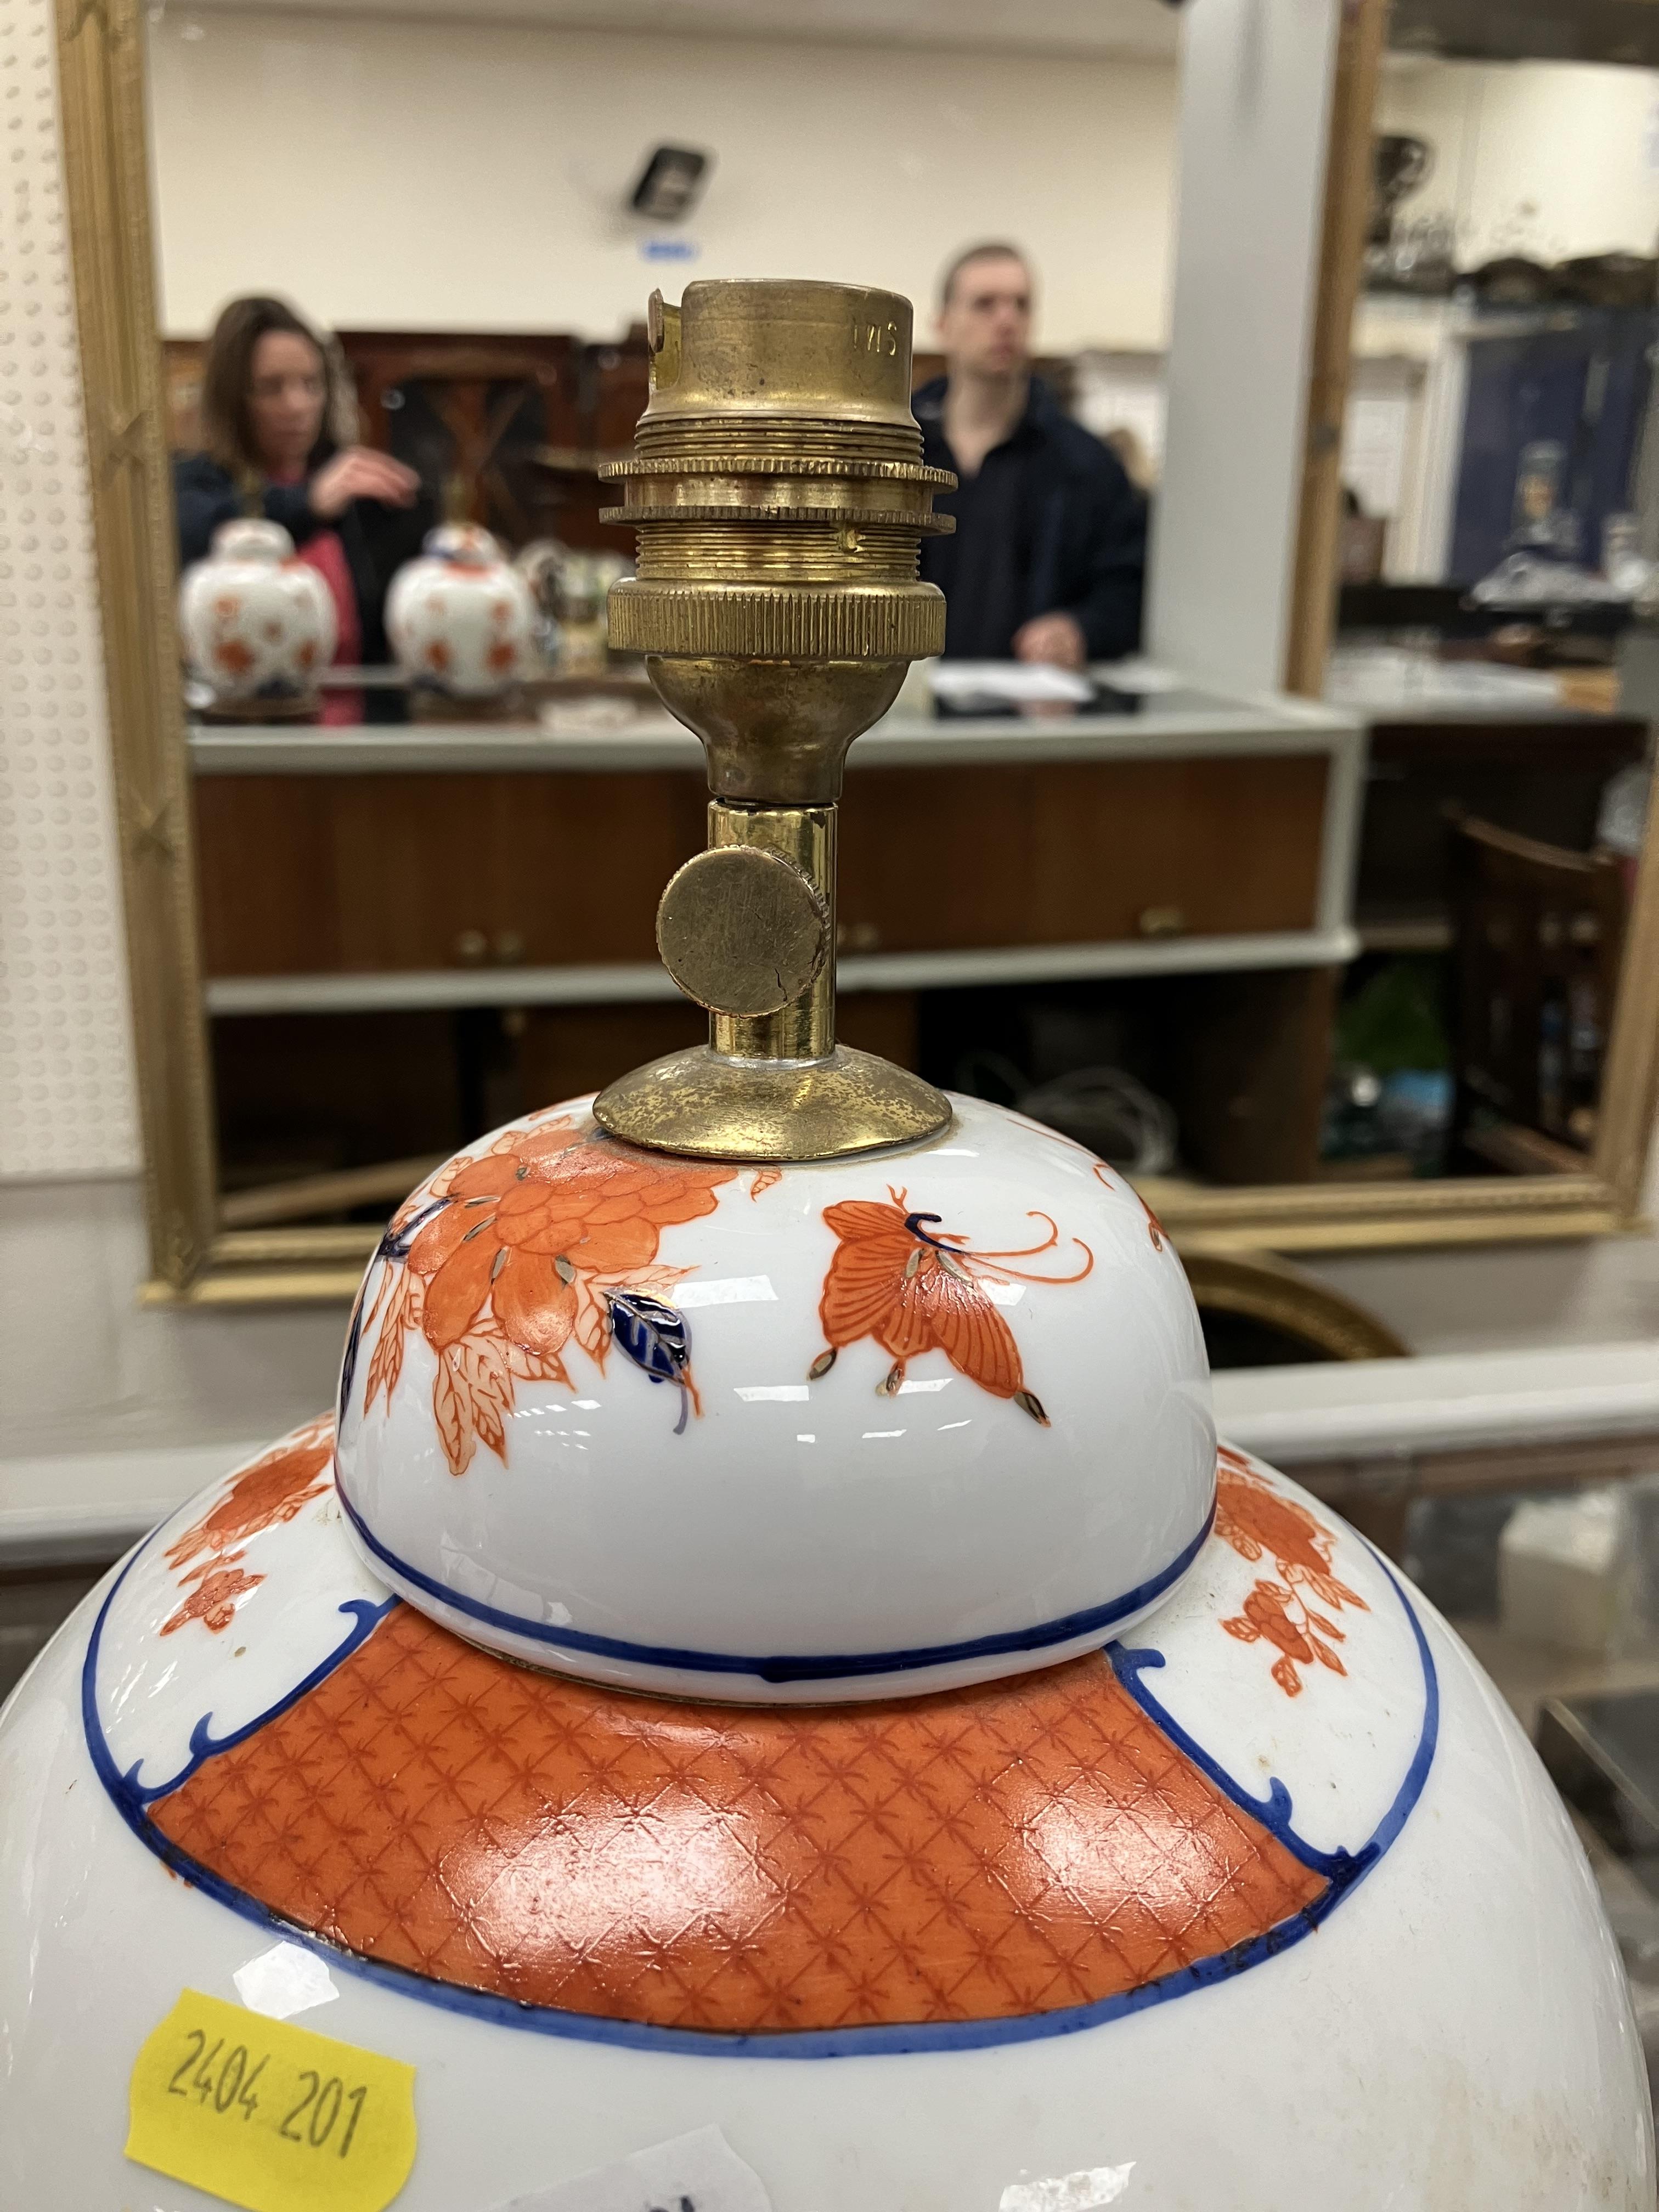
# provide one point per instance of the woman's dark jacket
(1051, 524)
(377, 539)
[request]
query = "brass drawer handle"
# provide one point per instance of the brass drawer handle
(474, 949)
(1161, 921)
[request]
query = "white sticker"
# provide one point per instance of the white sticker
(698, 2172)
(1069, 2192)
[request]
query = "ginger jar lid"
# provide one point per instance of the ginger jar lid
(833, 1430)
(248, 537)
(464, 545)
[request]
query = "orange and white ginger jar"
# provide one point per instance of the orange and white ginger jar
(461, 619)
(255, 620)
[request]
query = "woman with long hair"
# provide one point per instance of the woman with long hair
(276, 425)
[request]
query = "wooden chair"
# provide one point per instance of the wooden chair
(1538, 937)
(510, 430)
(470, 413)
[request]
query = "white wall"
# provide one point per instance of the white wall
(1256, 100)
(471, 176)
(67, 1098)
(1548, 159)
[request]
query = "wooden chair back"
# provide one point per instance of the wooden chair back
(1538, 935)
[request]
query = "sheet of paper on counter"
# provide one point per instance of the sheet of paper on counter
(1013, 681)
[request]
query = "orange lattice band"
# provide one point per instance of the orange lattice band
(989, 1854)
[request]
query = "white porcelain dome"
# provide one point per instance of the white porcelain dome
(838, 1429)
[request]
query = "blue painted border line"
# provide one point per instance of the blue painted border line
(364, 1615)
(810, 1667)
(831, 2043)
(1273, 1812)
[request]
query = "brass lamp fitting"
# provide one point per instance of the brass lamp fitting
(778, 497)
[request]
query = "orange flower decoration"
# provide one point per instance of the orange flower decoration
(213, 1601)
(515, 1258)
(272, 1490)
(1259, 1523)
(914, 1291)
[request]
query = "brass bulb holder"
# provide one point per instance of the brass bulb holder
(780, 499)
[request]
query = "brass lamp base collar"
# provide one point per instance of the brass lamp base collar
(767, 1111)
(769, 621)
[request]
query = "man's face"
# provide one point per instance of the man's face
(984, 326)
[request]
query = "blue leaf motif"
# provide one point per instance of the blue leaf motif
(657, 1338)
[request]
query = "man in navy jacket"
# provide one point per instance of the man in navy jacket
(1049, 549)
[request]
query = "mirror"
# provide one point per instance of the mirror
(1497, 573)
(429, 810)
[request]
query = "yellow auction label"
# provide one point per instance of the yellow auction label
(270, 2115)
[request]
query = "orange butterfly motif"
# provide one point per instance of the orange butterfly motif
(898, 1277)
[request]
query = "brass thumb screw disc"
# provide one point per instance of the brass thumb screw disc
(742, 930)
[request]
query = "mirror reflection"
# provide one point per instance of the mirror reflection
(1226, 941)
(1495, 606)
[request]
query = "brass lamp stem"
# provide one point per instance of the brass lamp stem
(805, 1028)
(780, 499)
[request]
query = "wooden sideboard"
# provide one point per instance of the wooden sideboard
(334, 875)
(438, 927)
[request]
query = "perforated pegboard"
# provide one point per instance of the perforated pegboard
(67, 1094)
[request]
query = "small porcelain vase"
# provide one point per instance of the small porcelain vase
(540, 563)
(461, 619)
(256, 621)
(572, 590)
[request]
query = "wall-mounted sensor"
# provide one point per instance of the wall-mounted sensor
(670, 183)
